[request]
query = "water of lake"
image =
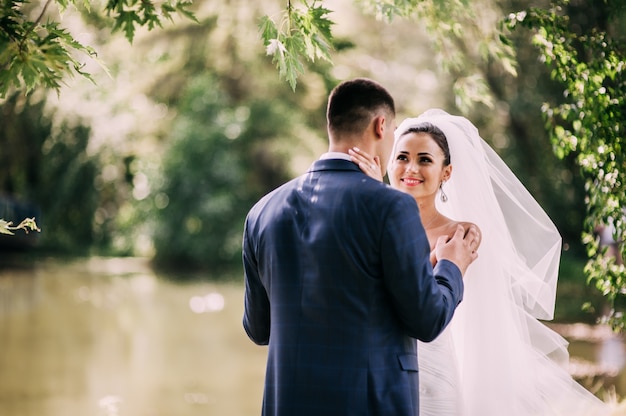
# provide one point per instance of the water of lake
(108, 337)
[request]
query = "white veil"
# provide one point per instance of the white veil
(509, 362)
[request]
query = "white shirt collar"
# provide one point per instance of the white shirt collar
(335, 155)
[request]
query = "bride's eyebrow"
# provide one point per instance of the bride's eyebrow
(424, 154)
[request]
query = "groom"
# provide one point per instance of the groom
(338, 279)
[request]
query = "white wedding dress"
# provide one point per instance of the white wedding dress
(496, 358)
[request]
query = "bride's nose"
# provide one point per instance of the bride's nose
(412, 167)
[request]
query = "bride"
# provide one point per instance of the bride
(495, 358)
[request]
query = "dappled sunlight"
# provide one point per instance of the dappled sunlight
(213, 302)
(110, 405)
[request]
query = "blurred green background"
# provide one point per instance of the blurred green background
(163, 157)
(160, 159)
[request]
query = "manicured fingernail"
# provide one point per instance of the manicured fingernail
(356, 149)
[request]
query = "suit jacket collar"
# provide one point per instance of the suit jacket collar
(333, 164)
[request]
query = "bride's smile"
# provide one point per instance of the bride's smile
(412, 181)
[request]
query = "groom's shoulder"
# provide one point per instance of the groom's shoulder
(382, 195)
(276, 196)
(273, 194)
(381, 189)
(363, 187)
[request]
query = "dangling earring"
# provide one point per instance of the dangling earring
(444, 197)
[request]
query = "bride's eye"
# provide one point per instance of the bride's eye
(425, 160)
(401, 157)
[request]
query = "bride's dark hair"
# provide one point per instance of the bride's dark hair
(438, 136)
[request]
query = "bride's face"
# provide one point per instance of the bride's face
(417, 167)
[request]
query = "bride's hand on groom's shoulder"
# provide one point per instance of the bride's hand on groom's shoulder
(460, 249)
(433, 258)
(370, 165)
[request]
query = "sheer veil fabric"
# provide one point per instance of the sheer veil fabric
(496, 358)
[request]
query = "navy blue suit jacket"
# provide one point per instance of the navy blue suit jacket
(338, 282)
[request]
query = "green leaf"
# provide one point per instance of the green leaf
(291, 66)
(307, 37)
(268, 30)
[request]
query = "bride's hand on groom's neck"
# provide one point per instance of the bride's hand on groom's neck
(370, 165)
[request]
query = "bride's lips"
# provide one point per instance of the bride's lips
(412, 181)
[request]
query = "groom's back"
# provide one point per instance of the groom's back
(335, 338)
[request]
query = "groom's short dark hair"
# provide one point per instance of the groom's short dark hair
(352, 104)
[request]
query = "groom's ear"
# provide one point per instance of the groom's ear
(379, 126)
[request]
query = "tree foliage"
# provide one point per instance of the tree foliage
(304, 35)
(53, 168)
(37, 51)
(300, 34)
(219, 161)
(471, 49)
(590, 63)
